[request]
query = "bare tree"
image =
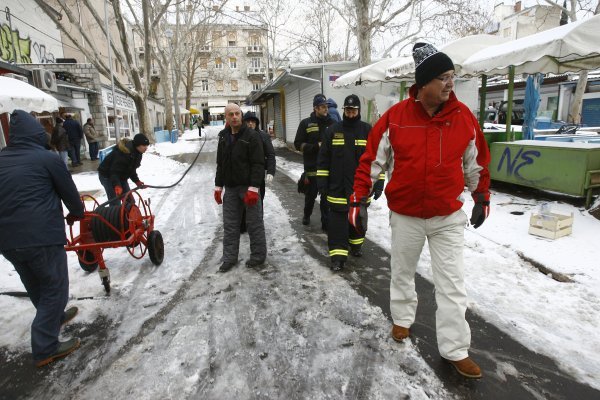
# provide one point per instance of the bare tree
(572, 8)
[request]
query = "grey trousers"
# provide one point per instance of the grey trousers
(233, 206)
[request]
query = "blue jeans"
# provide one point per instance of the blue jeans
(110, 190)
(93, 150)
(43, 271)
(74, 151)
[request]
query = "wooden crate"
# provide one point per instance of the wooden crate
(551, 226)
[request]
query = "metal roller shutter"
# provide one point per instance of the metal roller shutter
(292, 113)
(278, 128)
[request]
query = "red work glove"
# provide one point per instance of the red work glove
(118, 190)
(481, 210)
(357, 214)
(72, 218)
(140, 184)
(251, 197)
(217, 194)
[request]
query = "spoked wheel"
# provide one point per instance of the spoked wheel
(89, 262)
(106, 284)
(156, 247)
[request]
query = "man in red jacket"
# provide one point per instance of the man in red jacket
(430, 145)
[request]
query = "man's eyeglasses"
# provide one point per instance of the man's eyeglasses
(446, 78)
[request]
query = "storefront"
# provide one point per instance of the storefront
(126, 116)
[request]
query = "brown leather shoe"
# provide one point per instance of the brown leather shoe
(467, 368)
(399, 333)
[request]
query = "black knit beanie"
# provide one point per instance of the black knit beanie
(429, 63)
(140, 139)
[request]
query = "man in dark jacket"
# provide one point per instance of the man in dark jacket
(33, 181)
(308, 139)
(240, 171)
(343, 144)
(60, 140)
(75, 134)
(252, 122)
(122, 164)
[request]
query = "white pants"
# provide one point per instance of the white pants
(445, 236)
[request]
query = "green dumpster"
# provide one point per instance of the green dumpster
(492, 136)
(564, 167)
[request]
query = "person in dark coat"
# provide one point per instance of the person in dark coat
(240, 171)
(75, 134)
(332, 110)
(33, 182)
(252, 121)
(122, 164)
(343, 145)
(60, 140)
(308, 140)
(92, 137)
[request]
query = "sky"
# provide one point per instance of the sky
(184, 329)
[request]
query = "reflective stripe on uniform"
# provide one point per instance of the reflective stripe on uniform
(310, 173)
(356, 241)
(322, 172)
(338, 252)
(382, 175)
(360, 142)
(312, 129)
(337, 200)
(337, 142)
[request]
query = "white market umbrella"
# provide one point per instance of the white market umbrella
(569, 48)
(372, 73)
(19, 95)
(458, 50)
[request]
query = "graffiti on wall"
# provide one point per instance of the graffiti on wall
(27, 51)
(520, 160)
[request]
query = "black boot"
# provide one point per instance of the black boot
(305, 220)
(356, 252)
(226, 267)
(337, 265)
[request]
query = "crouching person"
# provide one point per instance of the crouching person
(33, 181)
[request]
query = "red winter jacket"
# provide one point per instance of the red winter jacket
(429, 160)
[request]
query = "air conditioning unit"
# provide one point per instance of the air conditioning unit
(16, 76)
(154, 72)
(44, 79)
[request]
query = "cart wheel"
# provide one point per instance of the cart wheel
(156, 247)
(106, 284)
(89, 265)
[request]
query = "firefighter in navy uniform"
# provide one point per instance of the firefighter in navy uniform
(308, 140)
(343, 145)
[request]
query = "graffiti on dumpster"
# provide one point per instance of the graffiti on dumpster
(27, 52)
(520, 160)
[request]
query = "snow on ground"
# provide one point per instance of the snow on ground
(558, 319)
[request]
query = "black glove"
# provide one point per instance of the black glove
(481, 210)
(72, 218)
(357, 214)
(378, 189)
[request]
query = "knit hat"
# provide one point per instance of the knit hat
(352, 101)
(319, 99)
(251, 116)
(140, 139)
(429, 63)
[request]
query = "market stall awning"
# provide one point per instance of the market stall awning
(194, 111)
(16, 94)
(568, 48)
(372, 73)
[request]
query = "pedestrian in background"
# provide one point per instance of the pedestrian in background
(33, 182)
(332, 110)
(240, 171)
(122, 164)
(343, 145)
(308, 140)
(75, 134)
(92, 138)
(431, 147)
(60, 140)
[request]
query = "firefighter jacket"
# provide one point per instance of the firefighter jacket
(429, 159)
(308, 140)
(343, 145)
(240, 158)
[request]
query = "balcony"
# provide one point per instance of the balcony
(254, 49)
(254, 71)
(204, 49)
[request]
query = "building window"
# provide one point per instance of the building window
(232, 63)
(234, 86)
(204, 85)
(216, 39)
(256, 86)
(254, 40)
(255, 62)
(203, 63)
(507, 32)
(219, 85)
(231, 39)
(218, 63)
